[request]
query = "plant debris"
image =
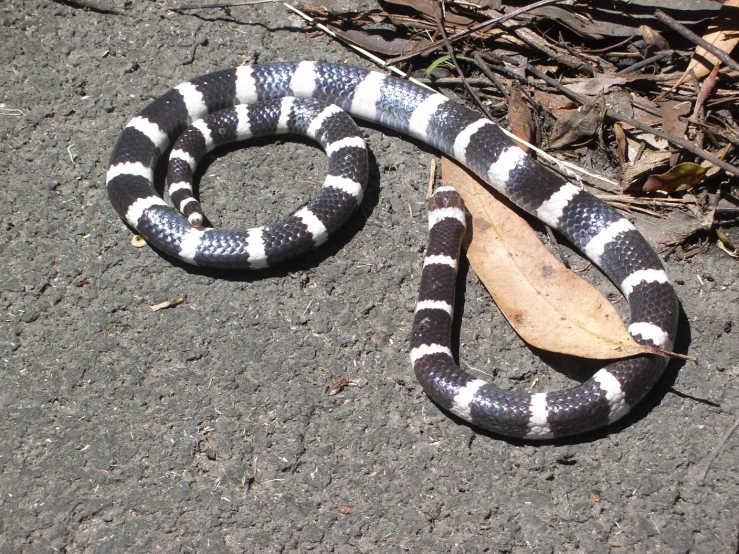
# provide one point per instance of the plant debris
(339, 386)
(170, 303)
(622, 89)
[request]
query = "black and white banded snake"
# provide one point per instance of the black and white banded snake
(601, 233)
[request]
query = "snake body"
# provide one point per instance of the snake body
(602, 234)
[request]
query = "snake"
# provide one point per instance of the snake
(608, 239)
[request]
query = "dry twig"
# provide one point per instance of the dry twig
(692, 37)
(479, 27)
(450, 51)
(716, 450)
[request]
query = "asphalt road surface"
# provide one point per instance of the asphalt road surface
(208, 427)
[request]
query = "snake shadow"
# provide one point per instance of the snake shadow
(310, 260)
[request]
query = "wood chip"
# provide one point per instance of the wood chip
(171, 303)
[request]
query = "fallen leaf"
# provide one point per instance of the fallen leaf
(620, 19)
(654, 40)
(380, 41)
(519, 117)
(546, 303)
(723, 34)
(555, 104)
(672, 110)
(583, 26)
(645, 165)
(672, 227)
(551, 68)
(645, 110)
(652, 140)
(621, 144)
(721, 154)
(727, 245)
(593, 86)
(683, 176)
(578, 124)
(431, 9)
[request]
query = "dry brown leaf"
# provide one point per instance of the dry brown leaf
(654, 39)
(592, 86)
(431, 9)
(621, 143)
(555, 104)
(713, 169)
(551, 68)
(672, 227)
(645, 110)
(577, 125)
(519, 117)
(380, 41)
(645, 165)
(546, 303)
(723, 38)
(672, 111)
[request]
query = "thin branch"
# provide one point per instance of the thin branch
(560, 54)
(646, 62)
(481, 82)
(479, 27)
(716, 450)
(450, 51)
(482, 64)
(692, 37)
(647, 200)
